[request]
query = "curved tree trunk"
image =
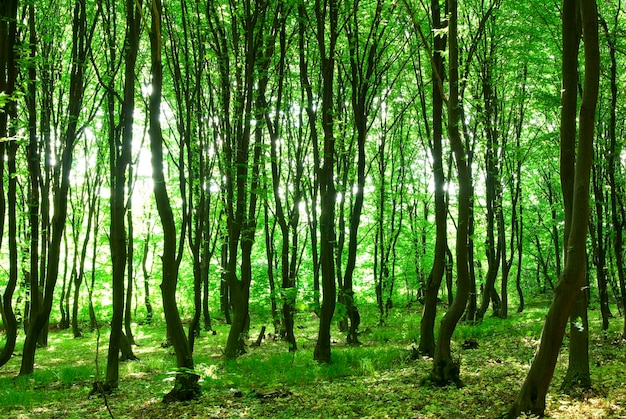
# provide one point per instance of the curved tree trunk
(433, 283)
(532, 396)
(8, 74)
(40, 315)
(120, 156)
(186, 386)
(445, 369)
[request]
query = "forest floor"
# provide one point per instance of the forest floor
(377, 379)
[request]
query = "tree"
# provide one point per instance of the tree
(369, 61)
(433, 283)
(195, 162)
(240, 90)
(578, 361)
(186, 386)
(286, 179)
(445, 370)
(617, 207)
(120, 135)
(327, 33)
(40, 312)
(531, 397)
(8, 75)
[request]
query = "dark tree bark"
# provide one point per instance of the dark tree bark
(517, 218)
(578, 361)
(130, 266)
(598, 237)
(120, 142)
(188, 70)
(186, 386)
(241, 93)
(93, 320)
(433, 283)
(270, 251)
(81, 44)
(64, 323)
(514, 173)
(327, 32)
(445, 369)
(312, 189)
(520, 241)
(531, 398)
(617, 208)
(8, 75)
(494, 246)
(146, 276)
(286, 214)
(368, 62)
(92, 189)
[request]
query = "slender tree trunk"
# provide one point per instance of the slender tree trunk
(130, 267)
(326, 13)
(92, 197)
(186, 386)
(146, 277)
(445, 369)
(269, 251)
(613, 168)
(120, 156)
(366, 61)
(532, 396)
(40, 317)
(598, 241)
(433, 283)
(8, 74)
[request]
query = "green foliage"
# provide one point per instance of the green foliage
(376, 379)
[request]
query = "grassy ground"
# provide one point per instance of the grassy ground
(377, 379)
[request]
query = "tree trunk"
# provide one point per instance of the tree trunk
(186, 386)
(598, 242)
(130, 267)
(8, 75)
(40, 316)
(327, 14)
(617, 208)
(120, 156)
(433, 283)
(269, 251)
(445, 369)
(531, 398)
(146, 277)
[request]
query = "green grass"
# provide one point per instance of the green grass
(375, 379)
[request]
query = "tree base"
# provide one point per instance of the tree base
(186, 388)
(445, 373)
(576, 381)
(322, 355)
(100, 388)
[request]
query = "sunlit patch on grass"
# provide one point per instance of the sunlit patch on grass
(376, 379)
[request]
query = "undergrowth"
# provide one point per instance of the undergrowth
(380, 378)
